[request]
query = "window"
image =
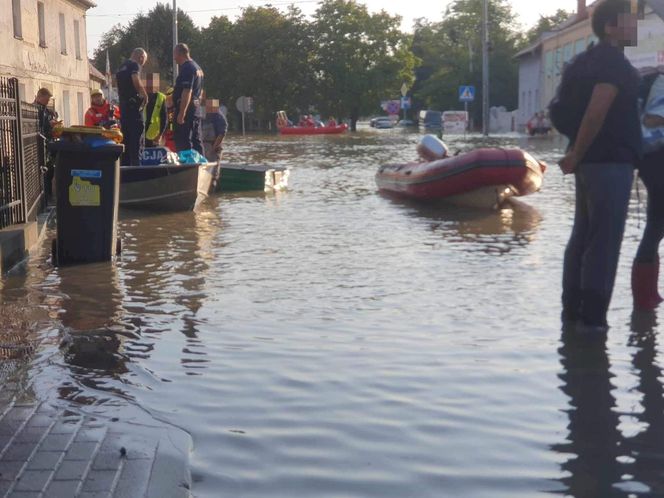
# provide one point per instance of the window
(63, 35)
(548, 64)
(77, 40)
(559, 61)
(42, 24)
(79, 103)
(65, 108)
(568, 53)
(21, 91)
(16, 14)
(580, 46)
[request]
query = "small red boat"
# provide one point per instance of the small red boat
(479, 178)
(310, 130)
(284, 129)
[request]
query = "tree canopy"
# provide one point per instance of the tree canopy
(342, 62)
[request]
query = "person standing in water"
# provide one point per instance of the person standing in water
(601, 155)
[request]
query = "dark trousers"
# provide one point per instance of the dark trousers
(133, 130)
(651, 171)
(591, 257)
(189, 134)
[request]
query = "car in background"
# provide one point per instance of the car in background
(431, 120)
(382, 122)
(405, 123)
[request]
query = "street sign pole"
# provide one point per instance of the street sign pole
(242, 123)
(485, 69)
(175, 38)
(404, 92)
(465, 106)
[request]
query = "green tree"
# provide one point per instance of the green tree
(265, 54)
(152, 31)
(451, 53)
(360, 59)
(546, 23)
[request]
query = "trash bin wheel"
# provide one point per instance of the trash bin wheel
(54, 252)
(118, 246)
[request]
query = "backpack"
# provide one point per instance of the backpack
(567, 108)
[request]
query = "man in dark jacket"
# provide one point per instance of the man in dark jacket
(187, 101)
(133, 98)
(47, 119)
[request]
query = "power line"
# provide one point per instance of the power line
(276, 4)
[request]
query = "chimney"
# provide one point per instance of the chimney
(581, 10)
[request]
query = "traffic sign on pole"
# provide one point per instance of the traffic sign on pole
(404, 90)
(466, 93)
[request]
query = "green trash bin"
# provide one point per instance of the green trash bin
(87, 185)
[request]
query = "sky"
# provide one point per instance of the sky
(111, 12)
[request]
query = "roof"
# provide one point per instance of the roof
(87, 4)
(95, 74)
(531, 49)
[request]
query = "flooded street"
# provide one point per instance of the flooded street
(328, 341)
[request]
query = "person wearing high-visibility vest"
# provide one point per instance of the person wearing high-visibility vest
(156, 117)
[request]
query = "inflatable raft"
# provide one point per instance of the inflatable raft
(310, 130)
(480, 178)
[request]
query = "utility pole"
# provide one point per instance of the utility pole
(175, 38)
(485, 69)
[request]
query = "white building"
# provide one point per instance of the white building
(44, 44)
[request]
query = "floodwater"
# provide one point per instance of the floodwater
(327, 341)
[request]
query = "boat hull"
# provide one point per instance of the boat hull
(244, 177)
(159, 188)
(307, 130)
(480, 178)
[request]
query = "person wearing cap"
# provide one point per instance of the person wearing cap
(133, 98)
(47, 119)
(187, 100)
(101, 112)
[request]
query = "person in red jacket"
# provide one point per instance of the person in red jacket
(101, 112)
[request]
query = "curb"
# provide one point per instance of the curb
(18, 242)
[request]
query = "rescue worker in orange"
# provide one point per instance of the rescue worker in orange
(101, 112)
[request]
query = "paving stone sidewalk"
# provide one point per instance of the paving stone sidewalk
(59, 453)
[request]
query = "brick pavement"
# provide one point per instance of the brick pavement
(61, 453)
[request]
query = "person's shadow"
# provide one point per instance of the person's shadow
(592, 446)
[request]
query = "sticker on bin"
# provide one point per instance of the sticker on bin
(86, 173)
(84, 193)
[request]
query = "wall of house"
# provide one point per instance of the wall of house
(650, 49)
(557, 49)
(530, 76)
(57, 61)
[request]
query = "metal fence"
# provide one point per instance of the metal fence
(21, 179)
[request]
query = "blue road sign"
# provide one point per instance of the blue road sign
(466, 93)
(405, 102)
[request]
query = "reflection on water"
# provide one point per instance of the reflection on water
(329, 341)
(491, 231)
(592, 446)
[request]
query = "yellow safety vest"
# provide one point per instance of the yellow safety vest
(155, 118)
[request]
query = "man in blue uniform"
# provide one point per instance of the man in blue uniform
(133, 98)
(187, 100)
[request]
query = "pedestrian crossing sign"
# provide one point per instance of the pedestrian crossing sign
(466, 93)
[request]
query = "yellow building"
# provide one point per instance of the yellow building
(559, 46)
(44, 44)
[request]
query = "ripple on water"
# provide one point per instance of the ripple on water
(328, 341)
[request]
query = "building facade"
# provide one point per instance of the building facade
(45, 45)
(541, 64)
(530, 83)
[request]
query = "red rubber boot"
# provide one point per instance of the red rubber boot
(644, 285)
